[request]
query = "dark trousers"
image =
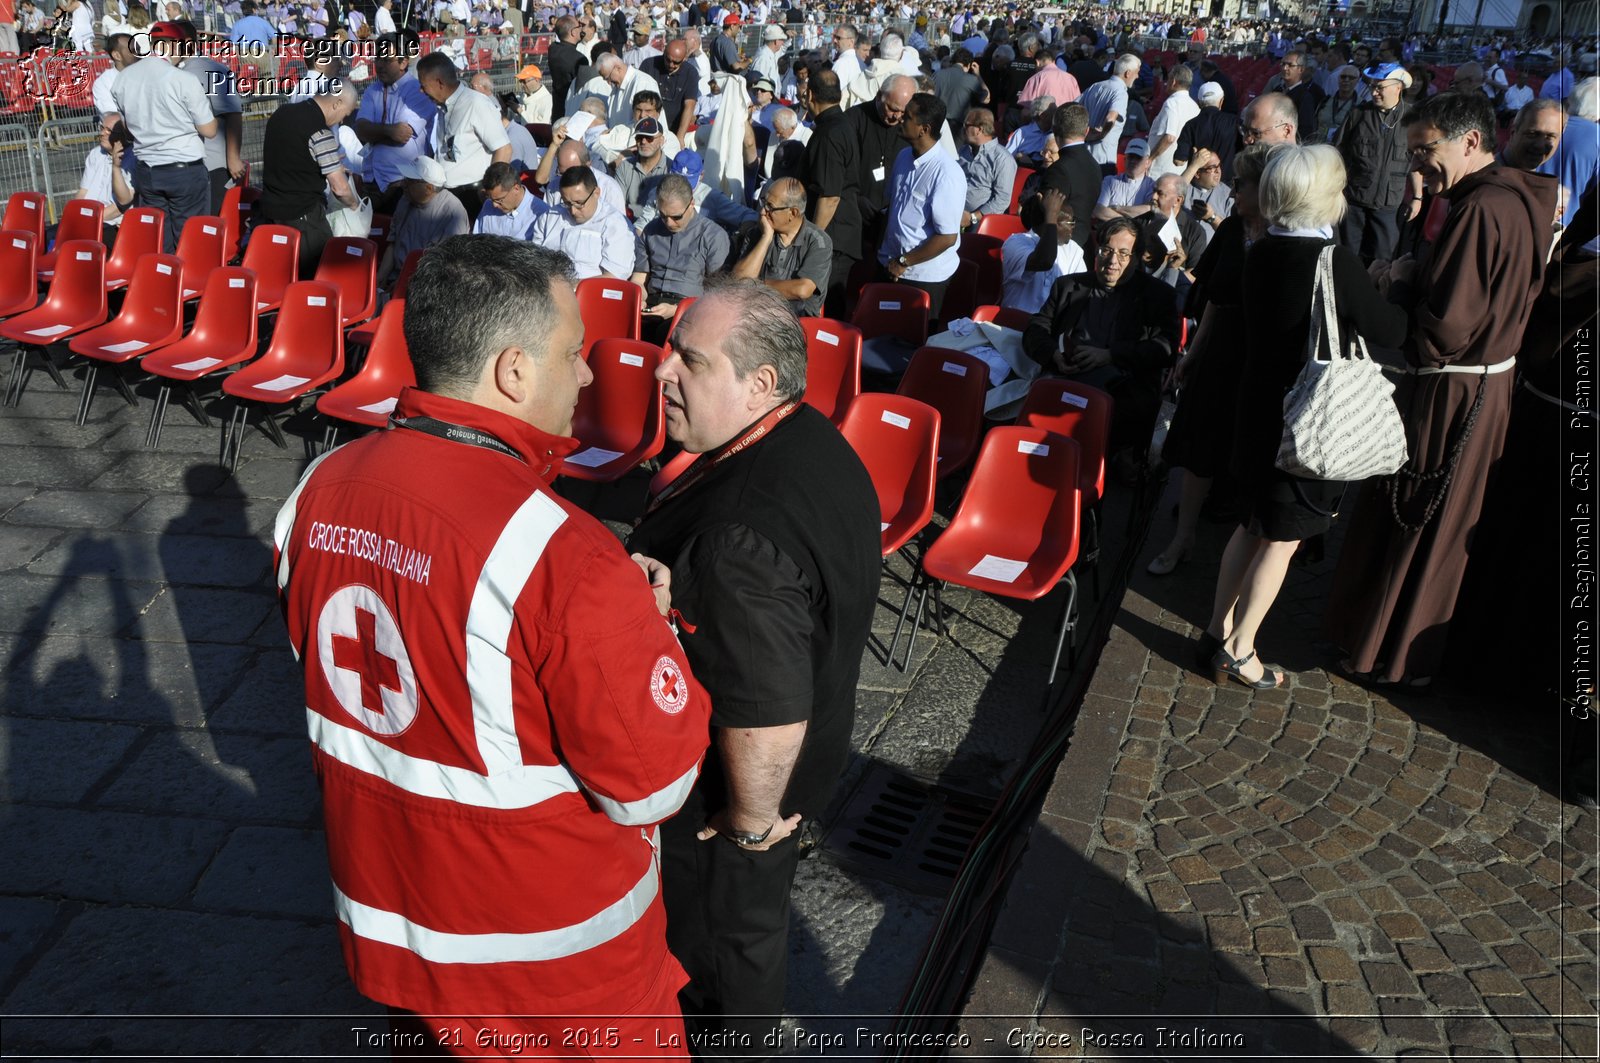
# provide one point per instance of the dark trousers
(179, 192)
(220, 179)
(728, 924)
(315, 232)
(935, 290)
(1370, 232)
(837, 298)
(384, 201)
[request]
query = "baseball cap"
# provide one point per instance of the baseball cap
(764, 83)
(530, 71)
(1388, 72)
(1137, 146)
(167, 31)
(774, 33)
(731, 20)
(1211, 91)
(647, 127)
(689, 164)
(423, 168)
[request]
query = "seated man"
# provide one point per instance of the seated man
(565, 153)
(1031, 262)
(509, 209)
(640, 171)
(1027, 143)
(1208, 198)
(108, 175)
(676, 252)
(1166, 204)
(784, 250)
(618, 140)
(786, 148)
(1115, 328)
(712, 202)
(423, 218)
(1128, 193)
(587, 229)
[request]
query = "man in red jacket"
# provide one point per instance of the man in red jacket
(500, 714)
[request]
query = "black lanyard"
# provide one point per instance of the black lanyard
(455, 433)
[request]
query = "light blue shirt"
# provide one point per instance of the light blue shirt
(1576, 162)
(1104, 98)
(927, 194)
(603, 244)
(1557, 86)
(404, 101)
(253, 29)
(518, 224)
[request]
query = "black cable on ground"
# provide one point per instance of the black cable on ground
(954, 950)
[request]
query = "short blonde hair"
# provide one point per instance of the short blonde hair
(1303, 187)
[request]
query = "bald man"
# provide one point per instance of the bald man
(876, 126)
(678, 81)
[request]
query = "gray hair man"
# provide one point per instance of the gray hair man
(678, 250)
(784, 251)
(773, 540)
(1107, 104)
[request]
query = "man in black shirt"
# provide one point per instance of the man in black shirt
(876, 126)
(300, 141)
(564, 60)
(772, 538)
(679, 82)
(833, 197)
(1075, 174)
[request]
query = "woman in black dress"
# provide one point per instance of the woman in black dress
(1200, 441)
(1302, 198)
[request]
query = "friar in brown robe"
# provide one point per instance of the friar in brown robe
(1409, 538)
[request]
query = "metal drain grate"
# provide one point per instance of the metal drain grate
(905, 831)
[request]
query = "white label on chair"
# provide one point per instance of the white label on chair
(883, 526)
(316, 300)
(1000, 569)
(283, 383)
(85, 211)
(382, 407)
(279, 238)
(23, 244)
(591, 457)
(899, 420)
(50, 330)
(356, 251)
(236, 282)
(1074, 400)
(198, 364)
(888, 304)
(209, 230)
(828, 338)
(25, 205)
(631, 359)
(147, 219)
(611, 293)
(163, 269)
(956, 368)
(123, 347)
(1026, 447)
(85, 256)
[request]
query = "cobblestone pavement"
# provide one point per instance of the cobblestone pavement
(163, 851)
(1220, 873)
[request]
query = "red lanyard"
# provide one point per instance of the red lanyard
(697, 472)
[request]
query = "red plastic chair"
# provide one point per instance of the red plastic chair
(362, 335)
(961, 295)
(1015, 534)
(954, 383)
(670, 472)
(609, 309)
(893, 310)
(833, 365)
(1004, 316)
(307, 351)
(1083, 414)
(223, 335)
(1000, 226)
(379, 232)
(76, 303)
(25, 211)
(897, 439)
(1017, 184)
(138, 234)
(407, 269)
(350, 264)
(984, 254)
(237, 204)
(151, 317)
(621, 417)
(273, 255)
(203, 247)
(19, 292)
(677, 316)
(368, 397)
(80, 220)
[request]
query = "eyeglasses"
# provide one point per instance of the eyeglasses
(1117, 253)
(580, 204)
(768, 208)
(1422, 150)
(1250, 133)
(676, 218)
(645, 138)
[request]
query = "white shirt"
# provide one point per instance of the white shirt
(82, 31)
(467, 131)
(103, 103)
(1518, 96)
(847, 66)
(765, 65)
(535, 107)
(383, 22)
(619, 103)
(518, 224)
(1176, 113)
(603, 244)
(1023, 290)
(610, 191)
(96, 179)
(162, 106)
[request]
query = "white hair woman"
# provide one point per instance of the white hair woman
(1301, 198)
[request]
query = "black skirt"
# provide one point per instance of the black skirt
(1285, 508)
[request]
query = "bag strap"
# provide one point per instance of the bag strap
(1330, 307)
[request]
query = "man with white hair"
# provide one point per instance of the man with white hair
(1576, 161)
(306, 165)
(876, 126)
(1372, 142)
(423, 218)
(1107, 104)
(1213, 129)
(876, 74)
(625, 82)
(1176, 112)
(785, 152)
(774, 41)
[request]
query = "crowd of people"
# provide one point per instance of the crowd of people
(527, 703)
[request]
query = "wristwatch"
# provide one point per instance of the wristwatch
(901, 260)
(739, 837)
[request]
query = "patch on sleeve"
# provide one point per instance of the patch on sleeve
(668, 686)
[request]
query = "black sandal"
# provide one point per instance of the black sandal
(1226, 665)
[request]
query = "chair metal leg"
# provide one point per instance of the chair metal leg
(53, 369)
(938, 609)
(233, 436)
(19, 375)
(269, 422)
(91, 375)
(158, 416)
(330, 437)
(1092, 555)
(905, 608)
(1069, 624)
(120, 380)
(191, 399)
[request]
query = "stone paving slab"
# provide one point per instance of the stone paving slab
(1322, 869)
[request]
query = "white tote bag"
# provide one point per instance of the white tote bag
(351, 221)
(1339, 419)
